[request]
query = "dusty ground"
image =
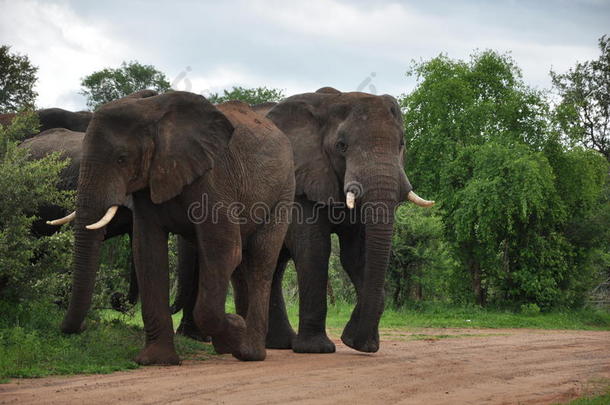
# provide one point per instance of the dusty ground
(457, 366)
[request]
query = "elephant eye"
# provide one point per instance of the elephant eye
(402, 142)
(121, 159)
(341, 147)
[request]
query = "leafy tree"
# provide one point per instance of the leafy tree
(420, 264)
(17, 79)
(110, 84)
(256, 95)
(480, 142)
(584, 111)
(25, 261)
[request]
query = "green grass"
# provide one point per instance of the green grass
(31, 344)
(595, 399)
(444, 316)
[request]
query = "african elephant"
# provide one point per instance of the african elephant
(183, 166)
(50, 118)
(70, 145)
(348, 156)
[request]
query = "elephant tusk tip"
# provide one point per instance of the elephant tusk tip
(64, 220)
(350, 200)
(105, 219)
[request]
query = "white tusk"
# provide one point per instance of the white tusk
(350, 199)
(64, 220)
(105, 219)
(417, 200)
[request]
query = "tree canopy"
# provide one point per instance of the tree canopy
(255, 95)
(482, 143)
(17, 80)
(110, 84)
(583, 114)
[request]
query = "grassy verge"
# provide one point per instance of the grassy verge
(598, 394)
(443, 316)
(31, 344)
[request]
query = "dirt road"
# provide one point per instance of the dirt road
(448, 366)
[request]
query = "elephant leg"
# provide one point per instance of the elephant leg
(150, 253)
(310, 247)
(257, 269)
(188, 278)
(219, 253)
(280, 334)
(351, 241)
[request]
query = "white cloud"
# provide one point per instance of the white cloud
(296, 46)
(62, 44)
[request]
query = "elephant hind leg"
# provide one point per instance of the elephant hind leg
(257, 269)
(188, 277)
(219, 253)
(280, 334)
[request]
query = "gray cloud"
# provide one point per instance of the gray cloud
(296, 46)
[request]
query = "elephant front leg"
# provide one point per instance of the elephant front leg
(311, 262)
(219, 252)
(150, 254)
(351, 241)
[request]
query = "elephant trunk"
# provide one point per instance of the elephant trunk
(377, 205)
(378, 242)
(93, 200)
(87, 245)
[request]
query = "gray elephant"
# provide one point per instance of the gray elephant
(184, 165)
(348, 154)
(50, 118)
(70, 144)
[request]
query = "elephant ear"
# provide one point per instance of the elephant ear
(314, 174)
(191, 135)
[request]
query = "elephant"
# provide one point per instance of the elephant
(171, 158)
(69, 144)
(50, 118)
(349, 170)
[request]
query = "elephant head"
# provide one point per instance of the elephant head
(160, 143)
(349, 148)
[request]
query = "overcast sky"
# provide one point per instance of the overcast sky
(295, 46)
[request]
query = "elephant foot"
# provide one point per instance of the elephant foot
(369, 344)
(158, 354)
(313, 344)
(251, 352)
(192, 331)
(230, 340)
(280, 339)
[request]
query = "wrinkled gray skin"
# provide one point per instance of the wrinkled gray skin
(339, 139)
(166, 153)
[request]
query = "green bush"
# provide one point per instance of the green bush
(28, 263)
